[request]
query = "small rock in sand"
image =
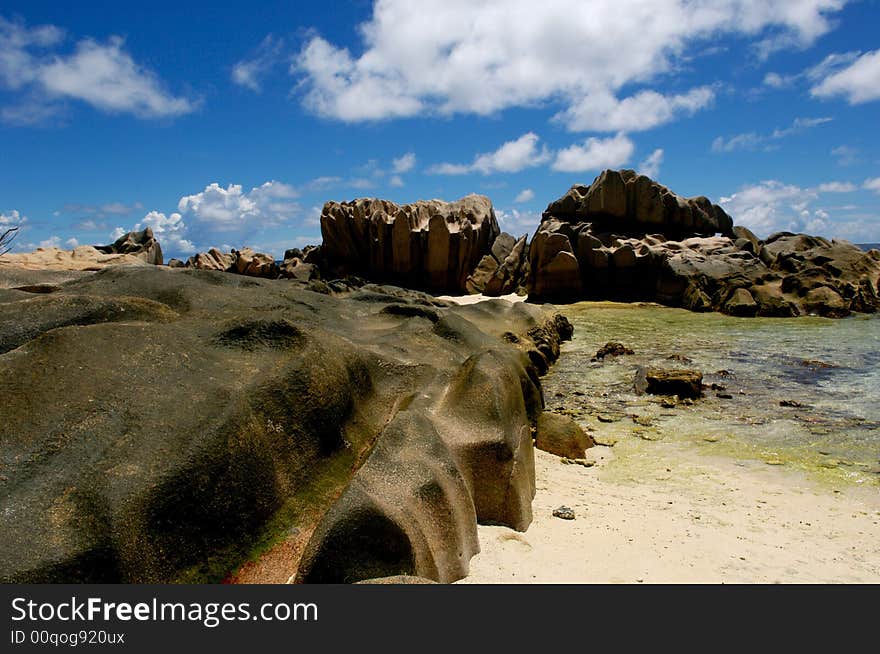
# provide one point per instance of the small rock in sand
(564, 513)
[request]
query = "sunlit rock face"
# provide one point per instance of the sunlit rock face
(626, 237)
(432, 244)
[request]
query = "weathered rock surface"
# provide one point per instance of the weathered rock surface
(627, 238)
(162, 424)
(562, 436)
(142, 244)
(84, 257)
(659, 381)
(432, 244)
(612, 349)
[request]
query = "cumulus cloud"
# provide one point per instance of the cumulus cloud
(651, 165)
(753, 140)
(872, 184)
(404, 163)
(102, 75)
(232, 208)
(511, 157)
(602, 112)
(526, 195)
(249, 72)
(773, 206)
(594, 154)
(858, 82)
(455, 56)
(169, 230)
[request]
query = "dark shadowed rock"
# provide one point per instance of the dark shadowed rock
(658, 381)
(612, 349)
(428, 244)
(628, 238)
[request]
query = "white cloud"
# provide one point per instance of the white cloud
(100, 74)
(118, 233)
(858, 82)
(170, 231)
(248, 72)
(526, 195)
(772, 206)
(456, 56)
(511, 157)
(836, 187)
(595, 154)
(872, 184)
(231, 208)
(602, 112)
(518, 222)
(12, 219)
(404, 163)
(72, 243)
(753, 140)
(651, 166)
(396, 181)
(846, 155)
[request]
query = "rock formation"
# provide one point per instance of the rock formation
(627, 238)
(432, 245)
(142, 245)
(163, 424)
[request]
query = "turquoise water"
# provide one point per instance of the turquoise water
(828, 369)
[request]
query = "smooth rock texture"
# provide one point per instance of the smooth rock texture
(165, 424)
(562, 436)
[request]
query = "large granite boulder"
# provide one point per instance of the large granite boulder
(625, 202)
(627, 238)
(432, 244)
(142, 244)
(502, 271)
(168, 424)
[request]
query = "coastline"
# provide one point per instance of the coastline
(687, 518)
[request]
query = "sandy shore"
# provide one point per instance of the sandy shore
(679, 516)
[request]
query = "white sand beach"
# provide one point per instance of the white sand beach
(685, 518)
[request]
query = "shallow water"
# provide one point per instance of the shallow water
(827, 368)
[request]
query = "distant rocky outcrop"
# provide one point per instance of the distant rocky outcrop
(626, 237)
(253, 264)
(166, 424)
(432, 245)
(142, 244)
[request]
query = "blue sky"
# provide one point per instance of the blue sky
(231, 125)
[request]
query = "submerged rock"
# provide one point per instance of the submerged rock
(612, 349)
(659, 381)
